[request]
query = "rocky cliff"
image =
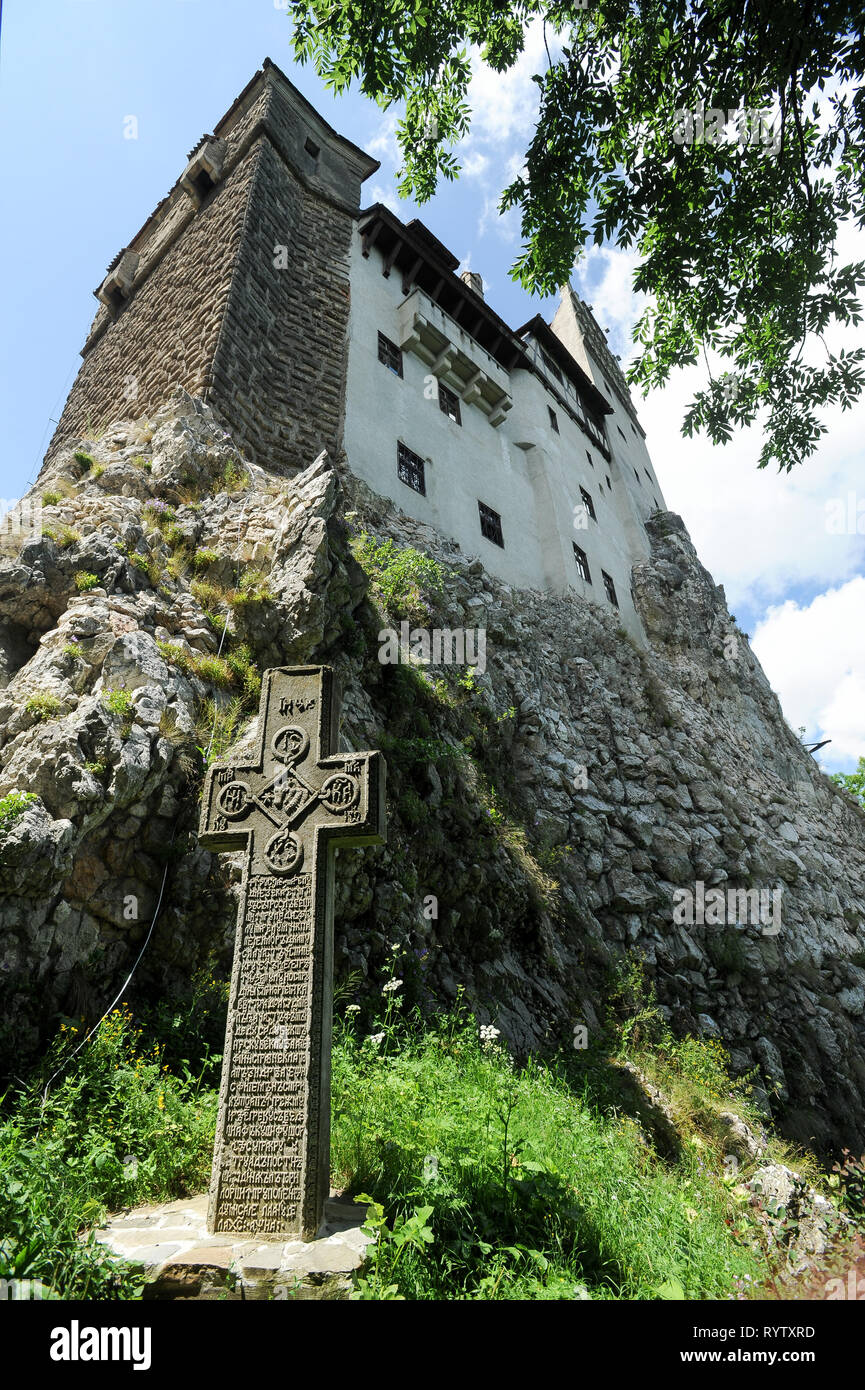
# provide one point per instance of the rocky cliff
(551, 817)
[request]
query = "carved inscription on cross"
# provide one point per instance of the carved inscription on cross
(287, 808)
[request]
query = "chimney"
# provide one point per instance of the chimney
(474, 281)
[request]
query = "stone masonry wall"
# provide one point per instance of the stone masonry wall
(166, 335)
(216, 310)
(278, 377)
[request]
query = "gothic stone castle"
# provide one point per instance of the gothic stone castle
(262, 285)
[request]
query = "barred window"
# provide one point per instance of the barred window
(610, 588)
(449, 403)
(389, 354)
(582, 560)
(588, 503)
(491, 525)
(410, 468)
(554, 419)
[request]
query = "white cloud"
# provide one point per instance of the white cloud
(505, 225)
(380, 193)
(382, 144)
(814, 657)
(473, 163)
(759, 532)
(505, 104)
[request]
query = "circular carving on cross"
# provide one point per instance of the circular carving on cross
(234, 800)
(289, 744)
(339, 793)
(283, 853)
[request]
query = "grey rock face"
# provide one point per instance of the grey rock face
(549, 817)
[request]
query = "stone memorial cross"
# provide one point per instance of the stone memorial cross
(286, 808)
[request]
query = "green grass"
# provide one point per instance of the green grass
(66, 536)
(50, 499)
(531, 1189)
(62, 1166)
(43, 706)
(235, 671)
(147, 564)
(12, 805)
(487, 1180)
(204, 557)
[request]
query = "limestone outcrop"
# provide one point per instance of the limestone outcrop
(550, 816)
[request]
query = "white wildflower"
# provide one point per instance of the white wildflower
(392, 986)
(376, 1039)
(352, 1008)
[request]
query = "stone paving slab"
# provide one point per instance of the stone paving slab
(181, 1259)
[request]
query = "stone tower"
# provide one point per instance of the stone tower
(237, 286)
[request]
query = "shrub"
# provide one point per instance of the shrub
(12, 805)
(118, 702)
(253, 588)
(50, 499)
(85, 460)
(85, 581)
(402, 578)
(234, 476)
(203, 558)
(117, 1127)
(43, 706)
(147, 564)
(67, 536)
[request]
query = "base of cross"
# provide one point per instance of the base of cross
(179, 1258)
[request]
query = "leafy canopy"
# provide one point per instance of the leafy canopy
(736, 238)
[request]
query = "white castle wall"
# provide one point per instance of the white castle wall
(521, 469)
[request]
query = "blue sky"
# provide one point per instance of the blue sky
(71, 74)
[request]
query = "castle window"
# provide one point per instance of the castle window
(610, 588)
(554, 420)
(491, 525)
(621, 432)
(389, 354)
(636, 475)
(657, 504)
(591, 460)
(410, 469)
(648, 474)
(609, 484)
(582, 560)
(588, 503)
(551, 366)
(449, 404)
(202, 182)
(311, 148)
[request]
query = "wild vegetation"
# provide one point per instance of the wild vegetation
(485, 1177)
